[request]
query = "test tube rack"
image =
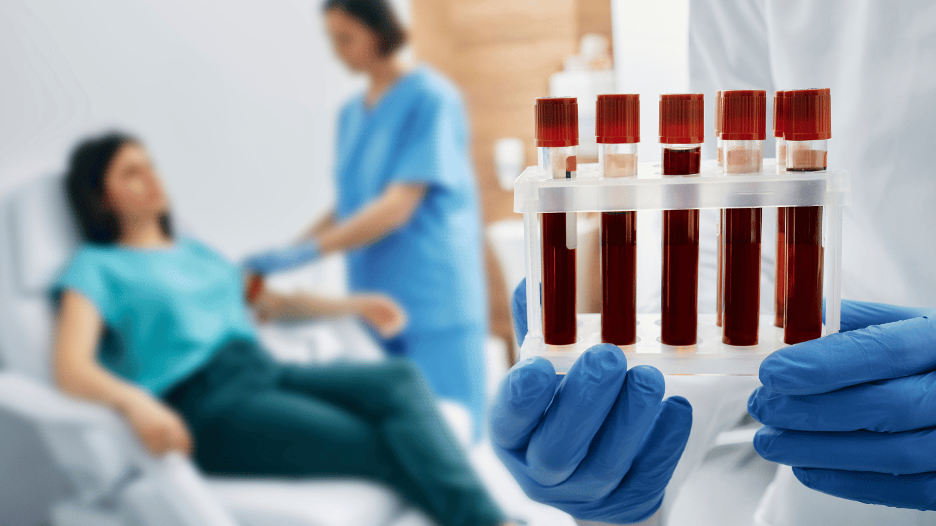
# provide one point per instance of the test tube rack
(535, 194)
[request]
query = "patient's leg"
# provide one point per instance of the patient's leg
(396, 399)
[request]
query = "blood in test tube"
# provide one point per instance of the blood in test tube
(780, 277)
(681, 136)
(720, 276)
(807, 129)
(617, 131)
(744, 122)
(556, 141)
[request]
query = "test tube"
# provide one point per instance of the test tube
(681, 136)
(721, 215)
(780, 279)
(617, 131)
(556, 141)
(743, 132)
(718, 128)
(807, 129)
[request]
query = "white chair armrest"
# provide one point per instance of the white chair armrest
(45, 406)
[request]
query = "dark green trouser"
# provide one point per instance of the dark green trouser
(253, 417)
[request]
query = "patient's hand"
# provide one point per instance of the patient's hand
(381, 312)
(160, 428)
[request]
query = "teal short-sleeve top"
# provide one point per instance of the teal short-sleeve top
(166, 310)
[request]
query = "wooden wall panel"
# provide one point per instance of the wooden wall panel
(501, 54)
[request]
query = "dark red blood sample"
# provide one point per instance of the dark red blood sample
(677, 161)
(803, 312)
(741, 232)
(719, 273)
(679, 319)
(780, 279)
(558, 282)
(619, 277)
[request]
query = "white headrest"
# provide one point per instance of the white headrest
(43, 233)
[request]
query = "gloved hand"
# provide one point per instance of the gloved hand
(854, 413)
(601, 444)
(283, 259)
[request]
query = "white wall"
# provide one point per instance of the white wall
(651, 57)
(236, 100)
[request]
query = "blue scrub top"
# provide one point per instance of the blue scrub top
(166, 310)
(416, 133)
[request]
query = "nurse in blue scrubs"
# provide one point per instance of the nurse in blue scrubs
(407, 210)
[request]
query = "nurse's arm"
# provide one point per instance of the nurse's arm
(381, 312)
(77, 373)
(389, 212)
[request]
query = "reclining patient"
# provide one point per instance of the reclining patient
(156, 327)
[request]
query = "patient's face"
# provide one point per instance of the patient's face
(353, 41)
(131, 184)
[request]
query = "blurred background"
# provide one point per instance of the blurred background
(237, 101)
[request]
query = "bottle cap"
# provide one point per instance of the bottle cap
(617, 119)
(744, 115)
(682, 118)
(778, 119)
(556, 122)
(718, 113)
(807, 115)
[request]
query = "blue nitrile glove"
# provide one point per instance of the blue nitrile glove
(854, 413)
(282, 259)
(601, 444)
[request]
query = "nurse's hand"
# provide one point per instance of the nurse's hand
(855, 413)
(600, 444)
(386, 316)
(283, 259)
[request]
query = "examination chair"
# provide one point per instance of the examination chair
(98, 473)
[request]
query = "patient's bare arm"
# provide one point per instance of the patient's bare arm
(381, 312)
(76, 371)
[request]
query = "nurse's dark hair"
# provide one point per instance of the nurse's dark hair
(84, 186)
(379, 17)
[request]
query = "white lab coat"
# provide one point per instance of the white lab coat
(879, 59)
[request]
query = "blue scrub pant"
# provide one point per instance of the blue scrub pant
(453, 361)
(252, 416)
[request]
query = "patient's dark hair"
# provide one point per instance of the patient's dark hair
(84, 185)
(379, 17)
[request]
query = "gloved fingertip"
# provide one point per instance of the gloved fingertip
(763, 441)
(679, 403)
(802, 474)
(605, 357)
(527, 381)
(648, 379)
(774, 371)
(754, 404)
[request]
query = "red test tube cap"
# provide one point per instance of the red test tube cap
(807, 115)
(556, 122)
(617, 119)
(778, 113)
(682, 119)
(718, 114)
(744, 115)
